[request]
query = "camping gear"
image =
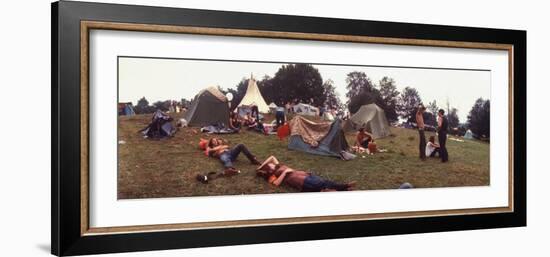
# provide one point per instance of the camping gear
(126, 109)
(372, 147)
(214, 175)
(370, 117)
(346, 156)
(218, 129)
(325, 138)
(160, 126)
(310, 132)
(305, 109)
(208, 107)
(181, 123)
(203, 143)
(253, 96)
(283, 131)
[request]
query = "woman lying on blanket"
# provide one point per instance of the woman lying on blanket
(277, 173)
(218, 148)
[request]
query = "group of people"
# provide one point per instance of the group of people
(277, 173)
(271, 169)
(250, 121)
(431, 148)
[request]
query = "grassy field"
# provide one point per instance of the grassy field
(167, 168)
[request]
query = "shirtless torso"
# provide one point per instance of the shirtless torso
(291, 177)
(217, 150)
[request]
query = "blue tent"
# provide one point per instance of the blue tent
(126, 109)
(129, 111)
(332, 144)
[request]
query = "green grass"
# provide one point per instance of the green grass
(167, 168)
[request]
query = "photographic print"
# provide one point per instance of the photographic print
(177, 128)
(207, 127)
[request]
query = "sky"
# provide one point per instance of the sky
(173, 79)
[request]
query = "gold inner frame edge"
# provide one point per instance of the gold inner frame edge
(86, 26)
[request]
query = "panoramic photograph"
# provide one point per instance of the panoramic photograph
(198, 127)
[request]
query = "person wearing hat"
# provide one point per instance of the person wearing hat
(276, 173)
(421, 134)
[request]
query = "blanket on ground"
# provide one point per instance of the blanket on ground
(311, 132)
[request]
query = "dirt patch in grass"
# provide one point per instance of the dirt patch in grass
(167, 168)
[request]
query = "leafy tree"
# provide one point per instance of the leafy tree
(185, 103)
(301, 82)
(162, 105)
(142, 106)
(430, 119)
(452, 118)
(361, 91)
(433, 108)
(268, 91)
(479, 118)
(332, 98)
(389, 96)
(357, 82)
(408, 103)
(363, 98)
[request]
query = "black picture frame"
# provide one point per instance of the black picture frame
(66, 128)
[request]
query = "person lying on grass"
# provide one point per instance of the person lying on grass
(218, 148)
(277, 173)
(432, 148)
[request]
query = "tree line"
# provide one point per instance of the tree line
(304, 84)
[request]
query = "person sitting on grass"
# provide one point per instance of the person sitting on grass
(432, 148)
(234, 121)
(363, 138)
(364, 142)
(276, 173)
(218, 148)
(253, 124)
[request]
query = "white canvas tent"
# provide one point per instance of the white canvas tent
(468, 135)
(272, 107)
(305, 109)
(253, 96)
(370, 117)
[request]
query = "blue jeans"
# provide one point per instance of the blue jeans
(229, 156)
(280, 118)
(315, 183)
